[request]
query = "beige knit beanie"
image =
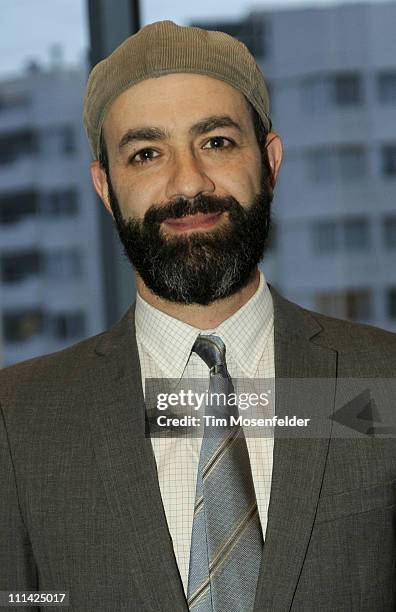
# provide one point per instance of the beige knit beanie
(163, 48)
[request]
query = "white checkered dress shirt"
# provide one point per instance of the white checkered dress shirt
(164, 345)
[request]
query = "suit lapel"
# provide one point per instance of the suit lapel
(298, 465)
(128, 469)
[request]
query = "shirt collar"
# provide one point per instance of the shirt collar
(169, 341)
(247, 331)
(166, 339)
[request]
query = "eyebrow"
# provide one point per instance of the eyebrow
(214, 122)
(155, 133)
(142, 133)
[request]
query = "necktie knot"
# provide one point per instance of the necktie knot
(211, 349)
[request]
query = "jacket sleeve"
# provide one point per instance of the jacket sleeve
(18, 571)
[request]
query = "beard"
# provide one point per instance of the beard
(199, 267)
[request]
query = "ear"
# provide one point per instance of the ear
(99, 180)
(275, 154)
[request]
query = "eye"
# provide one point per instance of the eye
(143, 156)
(219, 142)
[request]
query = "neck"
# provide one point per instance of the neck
(201, 317)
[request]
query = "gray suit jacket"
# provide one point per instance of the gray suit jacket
(81, 509)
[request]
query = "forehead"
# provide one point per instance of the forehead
(175, 100)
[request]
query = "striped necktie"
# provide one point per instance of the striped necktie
(226, 541)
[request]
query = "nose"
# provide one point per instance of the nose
(188, 178)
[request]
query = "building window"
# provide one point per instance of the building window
(57, 140)
(347, 89)
(351, 162)
(321, 91)
(344, 163)
(350, 234)
(325, 236)
(389, 231)
(15, 207)
(10, 100)
(355, 305)
(356, 234)
(331, 303)
(67, 325)
(386, 87)
(23, 325)
(391, 302)
(388, 159)
(254, 32)
(20, 266)
(67, 139)
(14, 146)
(322, 165)
(63, 264)
(358, 305)
(60, 203)
(315, 93)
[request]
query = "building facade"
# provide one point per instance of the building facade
(332, 81)
(51, 292)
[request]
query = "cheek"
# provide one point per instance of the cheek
(241, 185)
(244, 176)
(135, 197)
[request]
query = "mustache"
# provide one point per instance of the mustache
(182, 208)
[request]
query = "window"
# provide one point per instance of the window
(356, 234)
(63, 264)
(389, 231)
(10, 100)
(391, 302)
(351, 162)
(320, 91)
(352, 304)
(60, 203)
(325, 236)
(14, 207)
(349, 234)
(322, 165)
(331, 303)
(57, 141)
(358, 305)
(254, 32)
(344, 163)
(347, 89)
(16, 145)
(388, 159)
(68, 144)
(20, 266)
(315, 93)
(67, 325)
(386, 87)
(22, 325)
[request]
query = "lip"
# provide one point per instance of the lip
(194, 222)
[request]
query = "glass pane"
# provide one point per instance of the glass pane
(386, 87)
(356, 234)
(348, 89)
(389, 231)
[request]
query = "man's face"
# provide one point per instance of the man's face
(187, 186)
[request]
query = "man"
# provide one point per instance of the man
(185, 161)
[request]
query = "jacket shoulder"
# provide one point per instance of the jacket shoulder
(352, 336)
(338, 334)
(60, 368)
(70, 365)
